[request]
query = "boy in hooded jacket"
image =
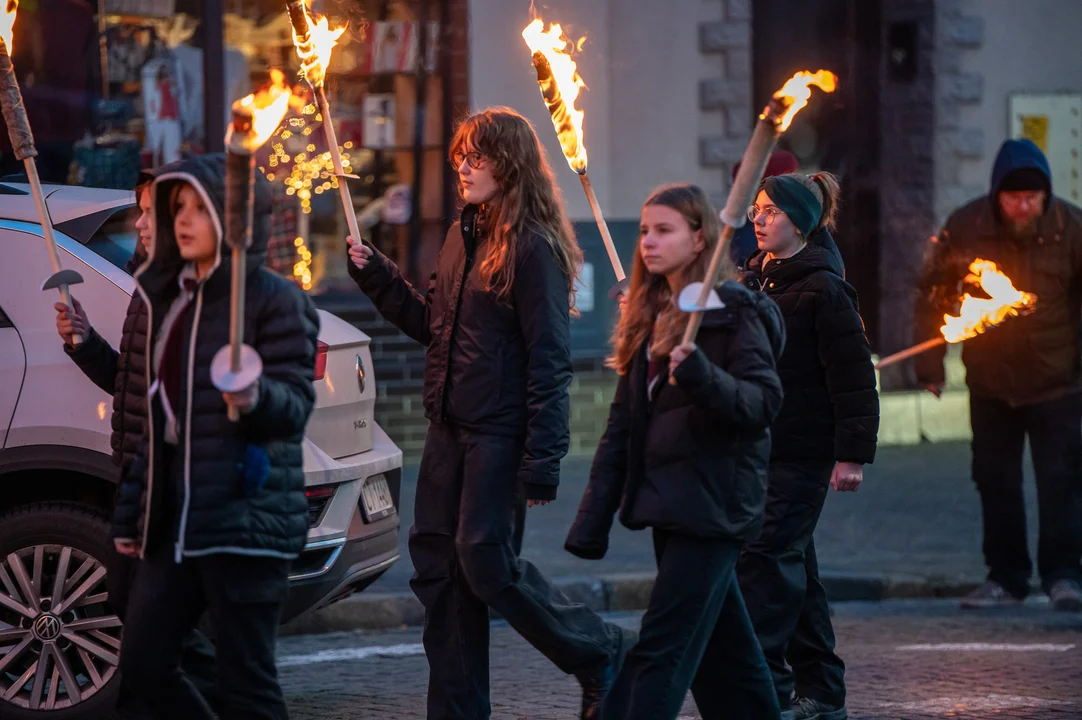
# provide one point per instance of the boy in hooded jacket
(215, 508)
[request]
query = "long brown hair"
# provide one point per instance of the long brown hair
(651, 309)
(529, 197)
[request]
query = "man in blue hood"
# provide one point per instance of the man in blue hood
(1024, 377)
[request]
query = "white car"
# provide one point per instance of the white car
(59, 638)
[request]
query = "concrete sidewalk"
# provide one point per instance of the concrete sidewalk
(913, 530)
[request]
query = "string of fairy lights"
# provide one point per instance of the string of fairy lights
(308, 173)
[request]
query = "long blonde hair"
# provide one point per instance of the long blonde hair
(529, 197)
(651, 310)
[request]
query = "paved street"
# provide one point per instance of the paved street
(917, 514)
(907, 659)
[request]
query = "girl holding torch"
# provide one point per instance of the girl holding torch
(688, 460)
(824, 434)
(215, 508)
(496, 321)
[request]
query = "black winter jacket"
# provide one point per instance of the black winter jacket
(122, 373)
(1025, 360)
(239, 487)
(831, 408)
(693, 459)
(492, 366)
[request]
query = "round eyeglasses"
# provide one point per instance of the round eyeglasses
(474, 159)
(770, 212)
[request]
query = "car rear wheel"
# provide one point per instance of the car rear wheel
(59, 636)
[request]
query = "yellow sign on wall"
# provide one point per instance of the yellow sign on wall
(1035, 128)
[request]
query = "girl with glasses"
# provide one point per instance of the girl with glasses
(824, 435)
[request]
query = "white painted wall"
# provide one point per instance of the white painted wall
(642, 65)
(1030, 46)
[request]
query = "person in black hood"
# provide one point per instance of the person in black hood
(496, 321)
(687, 458)
(216, 509)
(121, 373)
(824, 435)
(1024, 377)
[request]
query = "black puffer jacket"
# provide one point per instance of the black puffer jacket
(495, 367)
(122, 373)
(238, 487)
(693, 459)
(831, 408)
(1025, 360)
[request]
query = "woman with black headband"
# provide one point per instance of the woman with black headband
(825, 433)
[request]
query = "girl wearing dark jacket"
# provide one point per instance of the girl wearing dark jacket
(215, 509)
(496, 321)
(689, 460)
(824, 434)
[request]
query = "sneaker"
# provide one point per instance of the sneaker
(788, 715)
(989, 595)
(809, 709)
(1066, 596)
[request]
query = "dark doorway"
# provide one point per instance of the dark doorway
(837, 132)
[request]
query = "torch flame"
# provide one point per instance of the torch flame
(267, 107)
(315, 49)
(796, 92)
(7, 23)
(560, 87)
(979, 314)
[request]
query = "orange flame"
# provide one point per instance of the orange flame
(7, 23)
(796, 92)
(315, 52)
(979, 314)
(561, 90)
(267, 107)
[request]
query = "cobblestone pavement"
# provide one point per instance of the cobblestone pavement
(906, 659)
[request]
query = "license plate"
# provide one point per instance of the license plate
(376, 500)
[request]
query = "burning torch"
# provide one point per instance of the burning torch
(236, 366)
(976, 315)
(558, 77)
(314, 42)
(775, 119)
(22, 143)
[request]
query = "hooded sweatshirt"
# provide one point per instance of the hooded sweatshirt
(1025, 360)
(235, 488)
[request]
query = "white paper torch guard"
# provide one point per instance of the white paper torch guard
(223, 376)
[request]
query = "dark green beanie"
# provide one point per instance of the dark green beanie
(794, 199)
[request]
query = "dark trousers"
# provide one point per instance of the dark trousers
(198, 654)
(779, 576)
(1055, 439)
(695, 634)
(461, 546)
(244, 596)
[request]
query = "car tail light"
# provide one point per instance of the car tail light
(321, 359)
(318, 500)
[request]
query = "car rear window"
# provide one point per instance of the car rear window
(115, 239)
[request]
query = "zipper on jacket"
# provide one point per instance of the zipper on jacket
(183, 525)
(150, 423)
(467, 266)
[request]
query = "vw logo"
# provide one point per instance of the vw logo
(360, 374)
(47, 627)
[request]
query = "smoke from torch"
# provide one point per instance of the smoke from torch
(22, 144)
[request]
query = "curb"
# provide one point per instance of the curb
(621, 592)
